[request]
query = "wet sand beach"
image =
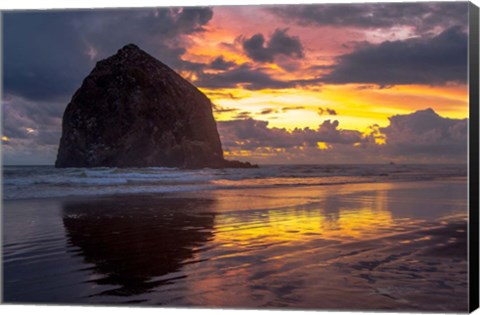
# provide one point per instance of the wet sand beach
(382, 246)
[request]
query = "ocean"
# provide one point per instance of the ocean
(336, 237)
(23, 182)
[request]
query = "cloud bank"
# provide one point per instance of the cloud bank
(433, 60)
(426, 134)
(423, 17)
(422, 136)
(47, 54)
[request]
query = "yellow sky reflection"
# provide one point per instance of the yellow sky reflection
(330, 220)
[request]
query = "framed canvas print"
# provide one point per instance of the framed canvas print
(315, 156)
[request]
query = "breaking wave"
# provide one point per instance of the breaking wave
(21, 182)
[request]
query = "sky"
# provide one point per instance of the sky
(325, 83)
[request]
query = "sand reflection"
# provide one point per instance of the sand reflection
(331, 217)
(349, 247)
(132, 240)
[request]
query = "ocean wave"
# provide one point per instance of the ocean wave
(44, 181)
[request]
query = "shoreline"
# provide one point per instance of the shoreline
(452, 179)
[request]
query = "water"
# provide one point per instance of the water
(339, 237)
(23, 182)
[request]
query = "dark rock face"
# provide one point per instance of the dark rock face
(134, 111)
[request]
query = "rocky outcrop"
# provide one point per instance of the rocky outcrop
(134, 111)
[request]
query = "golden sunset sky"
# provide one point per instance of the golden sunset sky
(317, 83)
(357, 105)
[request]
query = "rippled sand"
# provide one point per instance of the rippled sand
(395, 246)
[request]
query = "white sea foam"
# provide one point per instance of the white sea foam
(20, 182)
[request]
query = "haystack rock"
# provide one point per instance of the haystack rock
(134, 111)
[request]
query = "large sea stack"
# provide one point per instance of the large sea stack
(134, 111)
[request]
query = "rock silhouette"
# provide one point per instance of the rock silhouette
(134, 111)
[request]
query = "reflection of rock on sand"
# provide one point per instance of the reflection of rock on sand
(134, 239)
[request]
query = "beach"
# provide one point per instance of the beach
(310, 156)
(358, 244)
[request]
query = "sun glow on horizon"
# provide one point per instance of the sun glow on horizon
(357, 107)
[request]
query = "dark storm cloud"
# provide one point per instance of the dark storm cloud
(198, 68)
(425, 133)
(46, 54)
(43, 58)
(255, 48)
(280, 43)
(431, 60)
(190, 20)
(244, 75)
(249, 134)
(221, 64)
(423, 17)
(32, 122)
(158, 31)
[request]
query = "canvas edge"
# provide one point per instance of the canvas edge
(473, 157)
(1, 156)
